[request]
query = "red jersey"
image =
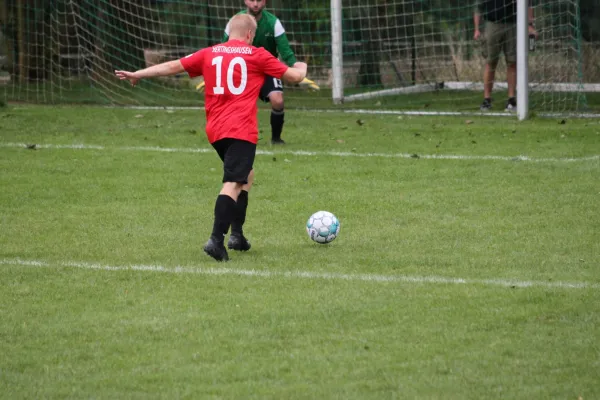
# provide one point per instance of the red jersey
(233, 74)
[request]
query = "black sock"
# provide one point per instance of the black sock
(240, 214)
(276, 123)
(512, 101)
(224, 211)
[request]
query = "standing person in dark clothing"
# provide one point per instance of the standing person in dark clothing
(500, 37)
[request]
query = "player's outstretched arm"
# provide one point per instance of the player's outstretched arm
(296, 73)
(165, 69)
(287, 55)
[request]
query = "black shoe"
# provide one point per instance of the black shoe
(277, 141)
(216, 249)
(511, 105)
(238, 242)
(486, 105)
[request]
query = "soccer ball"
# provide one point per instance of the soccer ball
(323, 227)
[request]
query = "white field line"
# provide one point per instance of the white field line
(330, 276)
(475, 113)
(387, 112)
(306, 153)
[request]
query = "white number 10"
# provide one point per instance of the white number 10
(218, 61)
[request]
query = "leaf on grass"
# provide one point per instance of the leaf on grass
(340, 141)
(360, 122)
(32, 146)
(468, 122)
(415, 155)
(139, 116)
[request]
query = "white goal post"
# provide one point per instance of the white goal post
(522, 59)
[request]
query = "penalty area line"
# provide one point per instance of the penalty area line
(309, 275)
(342, 154)
(415, 113)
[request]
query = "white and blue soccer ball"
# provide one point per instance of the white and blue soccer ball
(323, 227)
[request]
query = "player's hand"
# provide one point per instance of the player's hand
(200, 87)
(310, 85)
(477, 34)
(129, 76)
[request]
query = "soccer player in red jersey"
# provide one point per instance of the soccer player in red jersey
(234, 73)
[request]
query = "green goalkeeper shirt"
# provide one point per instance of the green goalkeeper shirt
(270, 35)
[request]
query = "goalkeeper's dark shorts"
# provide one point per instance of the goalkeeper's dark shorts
(269, 86)
(238, 158)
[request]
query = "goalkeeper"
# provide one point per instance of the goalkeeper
(270, 35)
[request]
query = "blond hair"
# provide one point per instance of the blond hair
(240, 24)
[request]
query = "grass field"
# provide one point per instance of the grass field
(467, 264)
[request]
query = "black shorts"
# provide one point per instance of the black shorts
(237, 156)
(270, 85)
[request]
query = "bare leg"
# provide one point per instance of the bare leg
(488, 79)
(277, 116)
(231, 189)
(511, 77)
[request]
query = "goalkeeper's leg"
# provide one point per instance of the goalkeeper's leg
(272, 91)
(277, 117)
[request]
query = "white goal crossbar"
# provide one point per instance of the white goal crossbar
(476, 86)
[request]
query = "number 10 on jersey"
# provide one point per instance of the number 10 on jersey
(236, 90)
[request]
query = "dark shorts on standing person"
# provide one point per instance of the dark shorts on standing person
(500, 38)
(269, 86)
(238, 158)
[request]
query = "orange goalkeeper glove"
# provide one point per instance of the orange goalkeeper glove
(310, 85)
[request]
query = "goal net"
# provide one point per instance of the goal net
(423, 55)
(396, 54)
